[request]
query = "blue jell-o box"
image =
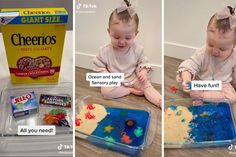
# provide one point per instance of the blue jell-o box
(24, 105)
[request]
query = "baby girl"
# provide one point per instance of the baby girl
(216, 60)
(122, 55)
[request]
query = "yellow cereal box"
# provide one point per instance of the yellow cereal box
(34, 40)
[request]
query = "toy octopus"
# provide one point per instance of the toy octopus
(56, 117)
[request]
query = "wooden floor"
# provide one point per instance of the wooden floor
(170, 69)
(85, 149)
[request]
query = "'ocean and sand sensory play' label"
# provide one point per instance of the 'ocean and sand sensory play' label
(24, 104)
(34, 40)
(105, 79)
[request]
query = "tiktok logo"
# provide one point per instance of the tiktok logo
(3, 20)
(85, 7)
(78, 6)
(232, 149)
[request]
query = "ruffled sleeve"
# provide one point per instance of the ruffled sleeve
(234, 76)
(192, 65)
(100, 61)
(143, 62)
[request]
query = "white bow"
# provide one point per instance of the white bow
(124, 7)
(225, 13)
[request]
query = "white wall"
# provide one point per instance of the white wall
(91, 30)
(185, 24)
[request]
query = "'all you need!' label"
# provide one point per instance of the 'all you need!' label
(206, 85)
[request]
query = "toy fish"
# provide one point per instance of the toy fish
(77, 121)
(138, 132)
(64, 122)
(130, 122)
(88, 115)
(90, 107)
(203, 114)
(173, 88)
(125, 138)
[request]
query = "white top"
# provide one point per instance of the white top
(207, 67)
(129, 63)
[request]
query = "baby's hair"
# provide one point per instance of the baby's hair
(124, 16)
(223, 24)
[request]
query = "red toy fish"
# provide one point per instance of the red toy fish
(173, 88)
(77, 121)
(88, 115)
(90, 107)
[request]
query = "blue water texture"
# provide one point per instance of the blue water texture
(212, 122)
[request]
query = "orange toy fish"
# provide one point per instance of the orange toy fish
(50, 119)
(125, 138)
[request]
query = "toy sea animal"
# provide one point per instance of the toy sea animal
(203, 114)
(138, 132)
(88, 115)
(90, 107)
(77, 121)
(56, 117)
(125, 138)
(173, 88)
(108, 129)
(130, 122)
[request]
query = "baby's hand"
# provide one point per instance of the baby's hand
(187, 77)
(142, 75)
(185, 85)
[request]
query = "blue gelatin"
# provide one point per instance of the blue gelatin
(216, 124)
(117, 119)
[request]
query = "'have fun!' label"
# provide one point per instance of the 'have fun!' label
(206, 85)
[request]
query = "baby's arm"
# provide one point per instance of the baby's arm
(142, 75)
(100, 62)
(189, 68)
(234, 77)
(143, 68)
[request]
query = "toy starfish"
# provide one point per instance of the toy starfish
(108, 129)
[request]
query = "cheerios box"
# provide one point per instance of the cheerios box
(34, 41)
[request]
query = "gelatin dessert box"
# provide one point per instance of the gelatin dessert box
(34, 40)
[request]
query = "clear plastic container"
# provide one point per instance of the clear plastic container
(119, 146)
(215, 116)
(9, 125)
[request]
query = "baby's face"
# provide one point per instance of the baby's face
(220, 44)
(122, 34)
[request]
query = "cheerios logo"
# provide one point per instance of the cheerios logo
(20, 40)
